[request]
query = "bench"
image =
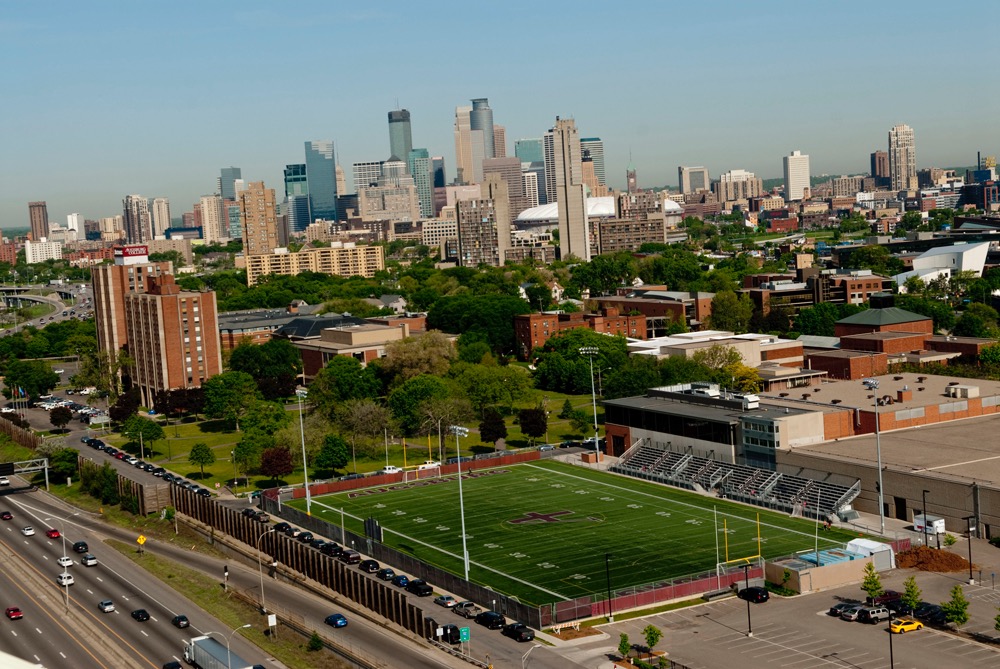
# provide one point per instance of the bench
(561, 626)
(713, 595)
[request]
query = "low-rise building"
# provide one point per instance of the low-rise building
(531, 331)
(338, 259)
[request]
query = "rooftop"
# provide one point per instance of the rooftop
(879, 317)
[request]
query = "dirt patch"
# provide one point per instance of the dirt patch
(930, 559)
(568, 634)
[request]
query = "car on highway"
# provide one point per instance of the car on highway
(400, 580)
(65, 579)
(6, 515)
(349, 557)
(755, 594)
(88, 560)
(142, 615)
(491, 620)
(305, 537)
(447, 601)
(52, 534)
(330, 548)
(4, 481)
(28, 531)
(131, 460)
(839, 608)
(80, 547)
(385, 574)
(180, 621)
(518, 632)
(369, 566)
(419, 587)
(106, 606)
(13, 613)
(466, 609)
(451, 634)
(281, 527)
(903, 625)
(336, 620)
(65, 561)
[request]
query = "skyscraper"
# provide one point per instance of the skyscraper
(74, 222)
(469, 148)
(531, 153)
(693, 179)
(509, 170)
(260, 223)
(481, 118)
(161, 216)
(499, 141)
(296, 180)
(596, 148)
(484, 226)
(880, 168)
(529, 150)
(138, 223)
(563, 153)
(111, 284)
(297, 198)
(321, 172)
(902, 158)
(419, 165)
(400, 135)
(797, 182)
(38, 214)
(227, 182)
(367, 174)
(631, 179)
(214, 219)
(437, 169)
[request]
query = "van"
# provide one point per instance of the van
(350, 557)
(873, 614)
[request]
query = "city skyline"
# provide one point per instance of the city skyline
(77, 144)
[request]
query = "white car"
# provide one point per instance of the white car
(65, 579)
(8, 410)
(59, 371)
(65, 561)
(390, 469)
(4, 480)
(132, 460)
(106, 606)
(28, 531)
(429, 464)
(88, 560)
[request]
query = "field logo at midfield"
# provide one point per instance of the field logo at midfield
(554, 517)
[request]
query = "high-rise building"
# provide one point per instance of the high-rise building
(400, 134)
(437, 169)
(419, 165)
(214, 219)
(341, 183)
(529, 150)
(595, 147)
(74, 222)
(321, 172)
(235, 220)
(296, 180)
(880, 168)
(161, 216)
(339, 259)
(499, 141)
(367, 174)
(797, 182)
(902, 158)
(508, 169)
(38, 214)
(35, 252)
(173, 337)
(563, 154)
(481, 118)
(259, 218)
(529, 181)
(227, 182)
(484, 226)
(693, 179)
(111, 284)
(631, 179)
(470, 148)
(138, 223)
(737, 185)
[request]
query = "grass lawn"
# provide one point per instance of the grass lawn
(654, 532)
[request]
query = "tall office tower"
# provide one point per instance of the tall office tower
(481, 118)
(400, 136)
(214, 220)
(797, 183)
(74, 222)
(260, 224)
(595, 146)
(341, 181)
(564, 171)
(138, 223)
(880, 168)
(297, 198)
(693, 179)
(737, 185)
(529, 183)
(902, 158)
(470, 148)
(508, 169)
(499, 141)
(161, 216)
(631, 179)
(38, 214)
(589, 176)
(227, 182)
(437, 169)
(367, 174)
(235, 220)
(419, 165)
(111, 284)
(173, 337)
(321, 171)
(529, 150)
(296, 181)
(484, 226)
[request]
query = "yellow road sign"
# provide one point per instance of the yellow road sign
(140, 540)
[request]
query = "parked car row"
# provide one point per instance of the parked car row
(159, 472)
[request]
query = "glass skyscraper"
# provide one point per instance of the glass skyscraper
(529, 150)
(321, 174)
(400, 134)
(419, 165)
(227, 182)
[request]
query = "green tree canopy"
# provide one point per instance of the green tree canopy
(560, 367)
(34, 377)
(491, 385)
(492, 427)
(202, 456)
(490, 316)
(405, 401)
(229, 395)
(430, 353)
(275, 365)
(956, 609)
(731, 312)
(872, 582)
(333, 455)
(343, 378)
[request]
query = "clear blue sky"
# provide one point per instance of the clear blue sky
(102, 99)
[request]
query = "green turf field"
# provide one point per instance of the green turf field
(540, 530)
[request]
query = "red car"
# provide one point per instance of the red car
(6, 515)
(52, 534)
(14, 613)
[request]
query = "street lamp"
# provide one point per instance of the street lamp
(524, 658)
(972, 525)
(260, 568)
(590, 352)
(460, 431)
(607, 573)
(229, 655)
(62, 533)
(302, 433)
(746, 572)
(872, 384)
(925, 516)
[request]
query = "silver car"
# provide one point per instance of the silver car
(852, 613)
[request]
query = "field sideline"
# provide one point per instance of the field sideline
(540, 531)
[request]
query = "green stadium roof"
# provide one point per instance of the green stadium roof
(886, 316)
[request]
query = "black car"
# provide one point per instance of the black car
(518, 632)
(451, 634)
(158, 471)
(80, 547)
(282, 527)
(491, 620)
(180, 621)
(419, 587)
(249, 513)
(317, 544)
(142, 615)
(925, 610)
(369, 566)
(755, 594)
(385, 574)
(203, 492)
(332, 549)
(305, 537)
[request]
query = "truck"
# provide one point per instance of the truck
(204, 652)
(934, 524)
(467, 609)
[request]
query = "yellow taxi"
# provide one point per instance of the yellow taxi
(901, 625)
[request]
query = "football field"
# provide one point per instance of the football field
(540, 531)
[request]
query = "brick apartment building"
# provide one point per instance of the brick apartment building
(661, 307)
(531, 331)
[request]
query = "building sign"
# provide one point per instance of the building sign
(131, 255)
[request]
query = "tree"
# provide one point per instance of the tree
(625, 646)
(491, 385)
(332, 455)
(718, 356)
(266, 417)
(405, 401)
(363, 420)
(63, 463)
(635, 377)
(911, 593)
(652, 635)
(125, 406)
(731, 312)
(275, 365)
(248, 450)
(60, 417)
(201, 455)
(492, 428)
(956, 609)
(567, 408)
(430, 353)
(877, 259)
(990, 355)
(872, 582)
(491, 316)
(560, 367)
(229, 395)
(275, 463)
(315, 643)
(343, 378)
(534, 422)
(34, 377)
(142, 430)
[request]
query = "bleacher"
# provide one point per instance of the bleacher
(795, 495)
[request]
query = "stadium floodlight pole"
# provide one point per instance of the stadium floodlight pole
(460, 431)
(302, 393)
(590, 352)
(607, 573)
(925, 516)
(746, 572)
(872, 384)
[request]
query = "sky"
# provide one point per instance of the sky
(103, 99)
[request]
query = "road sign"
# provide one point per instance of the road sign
(464, 634)
(140, 540)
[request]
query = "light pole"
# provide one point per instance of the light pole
(302, 433)
(62, 533)
(925, 516)
(260, 568)
(607, 573)
(590, 352)
(746, 572)
(524, 658)
(892, 661)
(460, 431)
(970, 528)
(872, 384)
(229, 655)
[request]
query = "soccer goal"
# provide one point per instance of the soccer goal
(411, 475)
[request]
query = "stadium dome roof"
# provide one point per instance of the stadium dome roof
(597, 207)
